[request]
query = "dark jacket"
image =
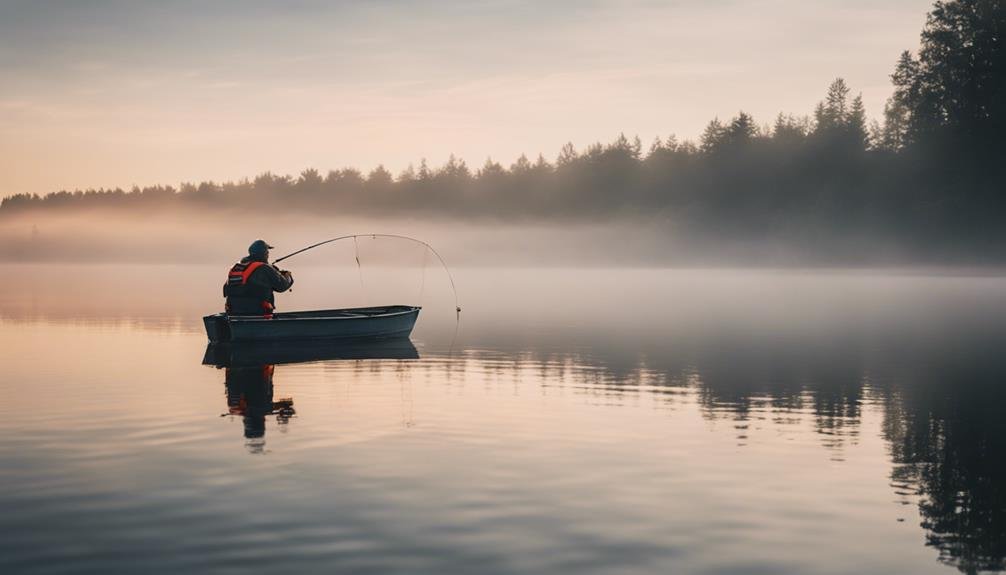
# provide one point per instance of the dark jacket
(248, 300)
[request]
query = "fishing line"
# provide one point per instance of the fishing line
(422, 281)
(457, 305)
(359, 269)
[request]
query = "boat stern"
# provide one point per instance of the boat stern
(217, 327)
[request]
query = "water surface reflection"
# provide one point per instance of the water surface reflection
(822, 423)
(250, 369)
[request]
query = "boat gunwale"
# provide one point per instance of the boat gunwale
(278, 317)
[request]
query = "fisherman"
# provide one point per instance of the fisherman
(252, 281)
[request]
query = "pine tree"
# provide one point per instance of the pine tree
(712, 136)
(788, 129)
(741, 130)
(893, 134)
(490, 169)
(567, 155)
(656, 147)
(907, 98)
(379, 177)
(831, 115)
(541, 165)
(958, 82)
(408, 174)
(621, 144)
(521, 166)
(855, 124)
(837, 99)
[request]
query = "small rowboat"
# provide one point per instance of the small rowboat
(347, 324)
(262, 353)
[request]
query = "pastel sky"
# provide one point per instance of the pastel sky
(110, 93)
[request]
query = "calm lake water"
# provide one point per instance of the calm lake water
(575, 421)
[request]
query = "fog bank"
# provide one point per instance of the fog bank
(190, 237)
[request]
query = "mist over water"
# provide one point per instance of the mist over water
(575, 420)
(179, 237)
(214, 238)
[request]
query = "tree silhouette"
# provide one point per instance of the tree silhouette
(958, 81)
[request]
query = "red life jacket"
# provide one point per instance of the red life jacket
(240, 272)
(243, 297)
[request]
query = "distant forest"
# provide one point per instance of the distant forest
(930, 172)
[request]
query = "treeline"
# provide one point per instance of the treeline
(733, 160)
(930, 172)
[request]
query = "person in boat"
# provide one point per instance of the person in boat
(252, 282)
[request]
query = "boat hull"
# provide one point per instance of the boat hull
(338, 324)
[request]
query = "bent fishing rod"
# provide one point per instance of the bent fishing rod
(454, 289)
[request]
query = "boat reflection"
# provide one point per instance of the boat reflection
(250, 368)
(258, 354)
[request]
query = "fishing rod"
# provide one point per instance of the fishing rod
(457, 306)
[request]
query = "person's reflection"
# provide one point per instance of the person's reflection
(249, 375)
(250, 396)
